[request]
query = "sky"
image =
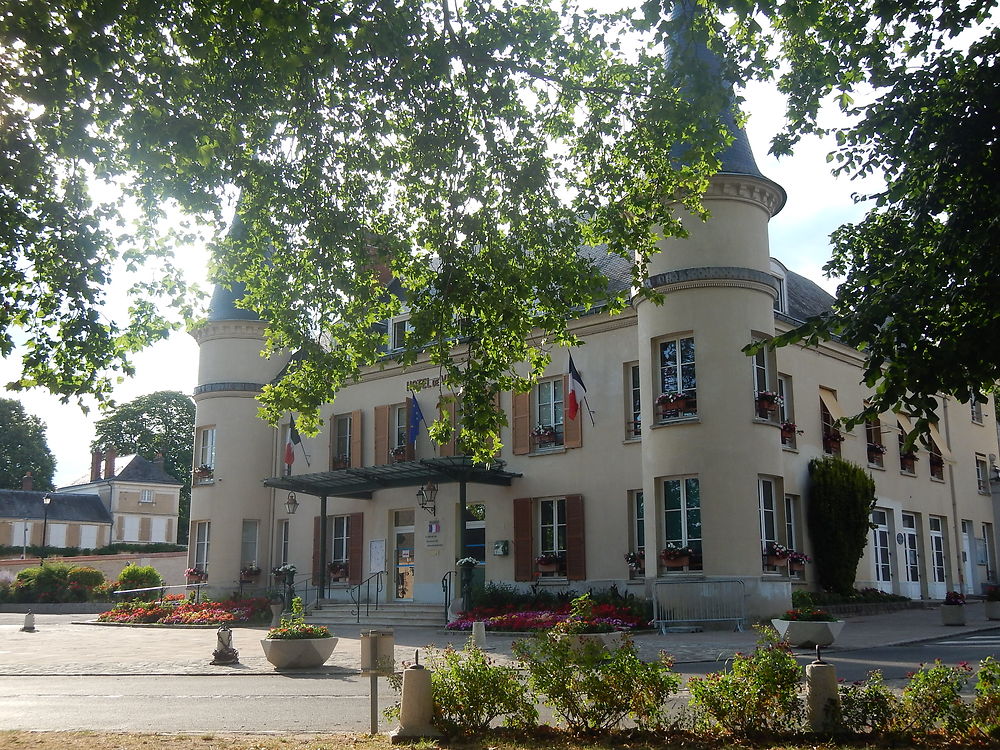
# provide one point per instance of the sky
(799, 236)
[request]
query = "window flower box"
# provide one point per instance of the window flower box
(672, 404)
(673, 556)
(767, 403)
(249, 573)
(908, 462)
(549, 562)
(788, 431)
(832, 440)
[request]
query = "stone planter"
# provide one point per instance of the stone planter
(298, 653)
(953, 614)
(808, 634)
(993, 610)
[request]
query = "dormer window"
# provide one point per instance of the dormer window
(779, 272)
(398, 328)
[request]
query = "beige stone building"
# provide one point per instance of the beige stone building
(142, 498)
(636, 471)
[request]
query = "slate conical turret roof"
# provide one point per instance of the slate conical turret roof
(224, 299)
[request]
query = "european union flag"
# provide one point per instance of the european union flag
(416, 417)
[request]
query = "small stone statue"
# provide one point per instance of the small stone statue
(224, 652)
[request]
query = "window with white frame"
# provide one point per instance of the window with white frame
(248, 542)
(202, 539)
(760, 379)
(281, 553)
(768, 513)
(206, 447)
(400, 426)
(633, 421)
(552, 530)
(982, 475)
(831, 433)
(935, 460)
(677, 378)
(398, 329)
(475, 532)
(791, 521)
(976, 410)
(786, 411)
(548, 431)
(682, 516)
(340, 539)
(340, 457)
(876, 449)
(145, 496)
(936, 526)
(637, 521)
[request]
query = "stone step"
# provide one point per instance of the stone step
(387, 615)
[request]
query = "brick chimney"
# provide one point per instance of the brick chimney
(27, 481)
(96, 457)
(159, 460)
(109, 463)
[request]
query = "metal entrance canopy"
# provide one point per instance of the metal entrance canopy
(362, 482)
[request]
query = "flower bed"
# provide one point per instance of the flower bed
(606, 617)
(171, 611)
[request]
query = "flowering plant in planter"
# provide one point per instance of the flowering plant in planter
(799, 558)
(954, 598)
(769, 398)
(337, 568)
(546, 431)
(778, 550)
(808, 614)
(549, 558)
(204, 471)
(672, 552)
(635, 560)
(670, 397)
(295, 627)
(399, 451)
(467, 562)
(282, 571)
(250, 571)
(790, 428)
(196, 572)
(833, 436)
(876, 448)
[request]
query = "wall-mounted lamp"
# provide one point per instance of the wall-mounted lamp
(291, 504)
(427, 497)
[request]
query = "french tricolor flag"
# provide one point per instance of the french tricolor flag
(577, 390)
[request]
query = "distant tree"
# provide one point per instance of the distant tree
(841, 498)
(160, 422)
(23, 448)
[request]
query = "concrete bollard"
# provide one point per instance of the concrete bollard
(822, 696)
(416, 705)
(479, 634)
(29, 623)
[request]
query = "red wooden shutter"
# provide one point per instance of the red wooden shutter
(355, 547)
(357, 446)
(572, 428)
(524, 545)
(316, 562)
(576, 550)
(520, 423)
(381, 435)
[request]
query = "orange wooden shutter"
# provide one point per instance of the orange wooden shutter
(357, 446)
(524, 545)
(520, 423)
(572, 428)
(316, 561)
(576, 557)
(381, 435)
(451, 409)
(355, 547)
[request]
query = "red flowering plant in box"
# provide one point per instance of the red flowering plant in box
(808, 614)
(607, 616)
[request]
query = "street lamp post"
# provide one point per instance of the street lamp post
(45, 522)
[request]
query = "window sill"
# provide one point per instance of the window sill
(875, 466)
(985, 493)
(552, 581)
(548, 451)
(678, 420)
(907, 473)
(762, 420)
(941, 480)
(632, 441)
(790, 448)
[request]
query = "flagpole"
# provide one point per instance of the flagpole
(590, 412)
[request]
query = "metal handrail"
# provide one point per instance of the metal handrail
(162, 590)
(447, 581)
(379, 581)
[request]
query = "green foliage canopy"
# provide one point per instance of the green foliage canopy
(23, 448)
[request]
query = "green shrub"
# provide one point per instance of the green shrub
(84, 576)
(868, 707)
(140, 577)
(932, 699)
(593, 689)
(841, 498)
(986, 709)
(471, 691)
(757, 695)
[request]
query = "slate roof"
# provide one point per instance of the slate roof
(65, 507)
(132, 468)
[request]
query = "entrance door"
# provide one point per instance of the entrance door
(880, 551)
(968, 560)
(911, 559)
(937, 587)
(404, 561)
